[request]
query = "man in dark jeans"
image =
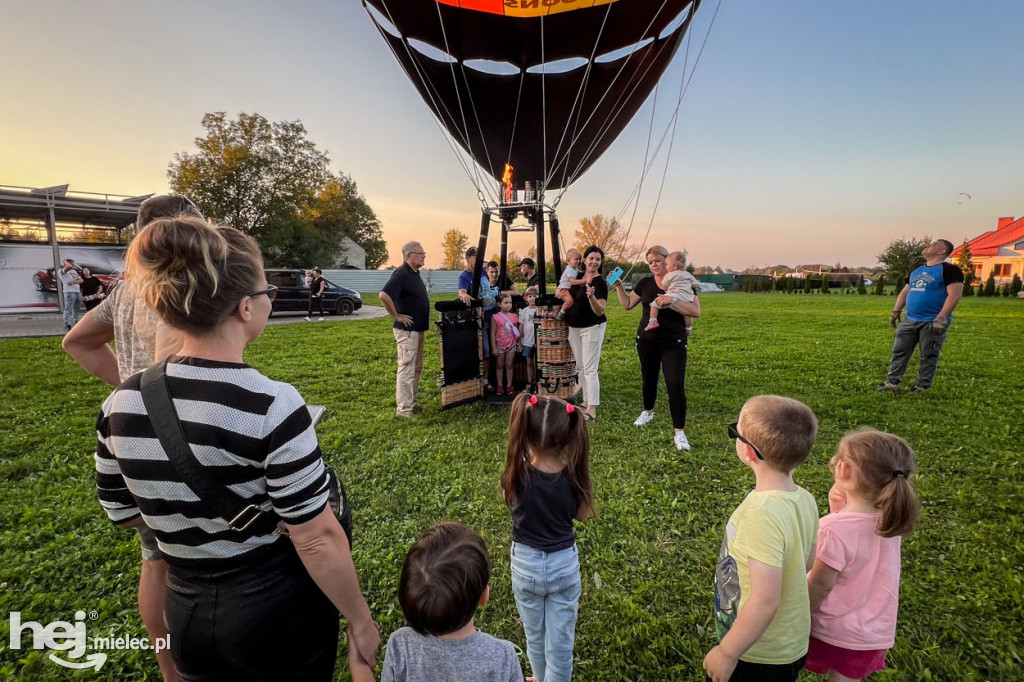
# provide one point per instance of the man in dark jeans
(930, 295)
(405, 299)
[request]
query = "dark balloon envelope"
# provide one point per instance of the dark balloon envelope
(571, 73)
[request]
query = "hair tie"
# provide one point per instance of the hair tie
(533, 399)
(569, 408)
(899, 474)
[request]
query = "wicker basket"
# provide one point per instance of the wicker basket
(462, 392)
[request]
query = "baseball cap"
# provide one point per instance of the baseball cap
(528, 261)
(470, 252)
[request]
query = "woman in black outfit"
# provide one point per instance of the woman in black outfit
(316, 294)
(663, 348)
(93, 290)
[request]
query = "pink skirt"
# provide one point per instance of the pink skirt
(822, 657)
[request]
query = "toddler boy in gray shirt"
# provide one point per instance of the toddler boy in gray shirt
(444, 578)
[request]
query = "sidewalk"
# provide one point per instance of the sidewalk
(52, 324)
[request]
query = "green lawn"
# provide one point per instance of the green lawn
(647, 561)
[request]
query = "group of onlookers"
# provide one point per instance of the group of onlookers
(257, 595)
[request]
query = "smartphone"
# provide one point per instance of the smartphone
(614, 276)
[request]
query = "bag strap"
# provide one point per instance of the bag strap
(238, 511)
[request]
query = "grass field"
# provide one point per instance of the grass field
(648, 560)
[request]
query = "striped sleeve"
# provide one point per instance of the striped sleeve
(296, 478)
(115, 498)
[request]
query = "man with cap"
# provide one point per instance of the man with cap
(488, 297)
(528, 268)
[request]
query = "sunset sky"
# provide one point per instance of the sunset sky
(812, 130)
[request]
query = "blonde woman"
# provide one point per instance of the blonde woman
(242, 603)
(663, 348)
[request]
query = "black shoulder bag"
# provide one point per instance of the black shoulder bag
(240, 513)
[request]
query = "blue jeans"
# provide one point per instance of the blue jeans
(72, 306)
(547, 588)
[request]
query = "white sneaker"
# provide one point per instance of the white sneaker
(306, 319)
(319, 319)
(681, 442)
(644, 418)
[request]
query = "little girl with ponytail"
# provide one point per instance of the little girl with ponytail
(854, 584)
(546, 484)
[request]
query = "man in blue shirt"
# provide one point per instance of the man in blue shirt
(930, 295)
(488, 297)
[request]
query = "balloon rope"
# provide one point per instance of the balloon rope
(434, 100)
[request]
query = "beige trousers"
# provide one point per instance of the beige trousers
(586, 345)
(410, 366)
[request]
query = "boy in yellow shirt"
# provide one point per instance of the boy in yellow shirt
(762, 611)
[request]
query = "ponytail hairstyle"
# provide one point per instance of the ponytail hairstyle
(193, 273)
(884, 463)
(551, 426)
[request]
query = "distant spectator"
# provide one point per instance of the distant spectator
(71, 281)
(528, 268)
(92, 289)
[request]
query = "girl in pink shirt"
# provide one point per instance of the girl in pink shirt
(855, 582)
(504, 337)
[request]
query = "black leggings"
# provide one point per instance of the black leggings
(670, 357)
(319, 304)
(267, 622)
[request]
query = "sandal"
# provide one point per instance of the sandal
(589, 417)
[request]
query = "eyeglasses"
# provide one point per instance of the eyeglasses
(736, 435)
(270, 291)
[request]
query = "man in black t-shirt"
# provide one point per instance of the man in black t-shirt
(405, 299)
(528, 268)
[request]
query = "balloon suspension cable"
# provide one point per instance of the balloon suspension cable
(436, 103)
(620, 103)
(685, 81)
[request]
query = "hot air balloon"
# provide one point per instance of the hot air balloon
(534, 91)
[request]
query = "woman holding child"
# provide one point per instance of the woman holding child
(243, 600)
(663, 348)
(587, 323)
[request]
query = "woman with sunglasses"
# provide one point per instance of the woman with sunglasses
(661, 350)
(243, 602)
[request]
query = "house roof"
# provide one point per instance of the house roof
(987, 244)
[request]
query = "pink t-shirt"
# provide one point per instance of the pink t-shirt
(860, 612)
(505, 330)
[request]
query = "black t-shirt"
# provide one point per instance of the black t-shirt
(409, 293)
(581, 314)
(534, 280)
(90, 285)
(672, 325)
(543, 513)
(314, 287)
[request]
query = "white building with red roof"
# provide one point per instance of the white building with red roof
(999, 252)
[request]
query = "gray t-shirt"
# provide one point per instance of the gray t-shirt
(135, 327)
(412, 657)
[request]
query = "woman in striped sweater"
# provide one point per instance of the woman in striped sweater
(241, 604)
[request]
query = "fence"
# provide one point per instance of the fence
(436, 281)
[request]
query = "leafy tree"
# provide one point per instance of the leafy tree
(270, 180)
(966, 263)
(453, 249)
(861, 289)
(824, 283)
(981, 288)
(990, 285)
(1005, 290)
(968, 290)
(880, 285)
(607, 233)
(807, 285)
(1016, 285)
(901, 257)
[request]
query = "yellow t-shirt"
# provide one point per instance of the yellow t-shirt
(777, 528)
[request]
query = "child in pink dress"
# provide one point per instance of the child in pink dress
(855, 582)
(504, 338)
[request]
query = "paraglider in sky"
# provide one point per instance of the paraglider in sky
(963, 194)
(543, 85)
